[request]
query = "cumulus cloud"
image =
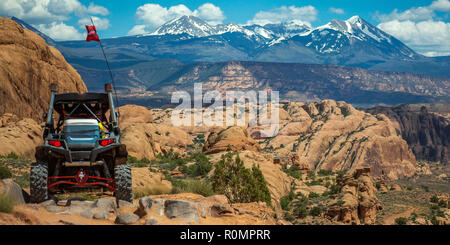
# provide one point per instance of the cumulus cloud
(100, 23)
(336, 10)
(60, 31)
(150, 15)
(427, 37)
(49, 15)
(418, 28)
(283, 14)
(210, 13)
(137, 29)
(97, 9)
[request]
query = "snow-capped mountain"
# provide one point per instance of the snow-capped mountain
(338, 35)
(190, 25)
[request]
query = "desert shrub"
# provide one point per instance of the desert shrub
(201, 167)
(203, 188)
(324, 172)
(12, 155)
(134, 162)
(300, 210)
(378, 185)
(401, 221)
(168, 161)
(316, 211)
(286, 200)
(5, 173)
(293, 171)
(442, 203)
(6, 204)
(147, 191)
(313, 195)
(434, 199)
(239, 184)
(288, 216)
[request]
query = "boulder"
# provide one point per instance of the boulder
(12, 190)
(126, 219)
(179, 209)
(231, 139)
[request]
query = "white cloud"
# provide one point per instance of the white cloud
(97, 9)
(137, 29)
(49, 15)
(283, 14)
(60, 31)
(210, 13)
(336, 10)
(441, 5)
(150, 15)
(427, 37)
(418, 28)
(100, 23)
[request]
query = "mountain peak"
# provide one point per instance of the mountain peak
(186, 24)
(355, 19)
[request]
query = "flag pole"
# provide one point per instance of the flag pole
(109, 69)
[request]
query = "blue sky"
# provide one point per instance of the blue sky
(421, 24)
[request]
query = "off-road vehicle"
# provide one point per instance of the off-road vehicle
(83, 149)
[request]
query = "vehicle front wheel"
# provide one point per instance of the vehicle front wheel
(123, 184)
(38, 182)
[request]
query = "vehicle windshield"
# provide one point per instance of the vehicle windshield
(81, 131)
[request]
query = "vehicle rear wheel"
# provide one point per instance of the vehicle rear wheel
(122, 176)
(38, 182)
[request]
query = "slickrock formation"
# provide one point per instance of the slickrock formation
(146, 139)
(427, 133)
(27, 68)
(19, 136)
(230, 139)
(357, 202)
(334, 136)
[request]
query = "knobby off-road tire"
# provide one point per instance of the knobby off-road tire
(38, 182)
(122, 176)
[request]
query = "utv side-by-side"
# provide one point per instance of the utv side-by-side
(83, 149)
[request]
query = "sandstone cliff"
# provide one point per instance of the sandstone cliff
(27, 68)
(427, 133)
(334, 136)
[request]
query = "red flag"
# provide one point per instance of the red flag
(92, 34)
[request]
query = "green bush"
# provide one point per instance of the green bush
(201, 167)
(134, 162)
(293, 171)
(313, 195)
(300, 207)
(401, 221)
(13, 155)
(316, 211)
(324, 172)
(239, 184)
(195, 186)
(6, 204)
(434, 199)
(286, 200)
(5, 173)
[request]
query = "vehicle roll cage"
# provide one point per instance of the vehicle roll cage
(87, 105)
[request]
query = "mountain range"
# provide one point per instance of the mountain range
(147, 61)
